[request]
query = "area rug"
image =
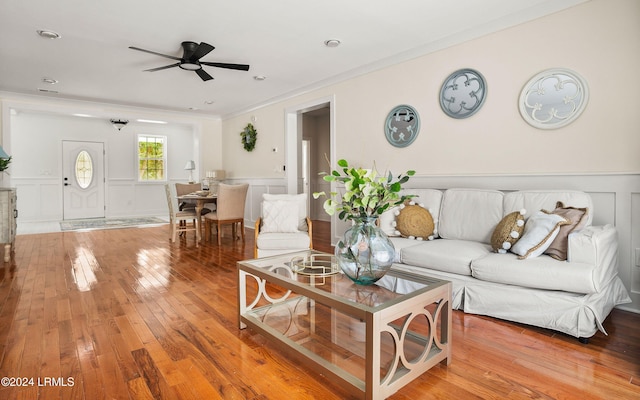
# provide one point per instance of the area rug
(108, 223)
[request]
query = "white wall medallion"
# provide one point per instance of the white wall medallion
(463, 93)
(402, 126)
(553, 98)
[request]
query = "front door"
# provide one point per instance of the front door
(83, 179)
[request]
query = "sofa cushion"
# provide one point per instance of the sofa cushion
(508, 231)
(534, 200)
(271, 241)
(539, 232)
(539, 273)
(445, 255)
(470, 214)
(577, 218)
(414, 221)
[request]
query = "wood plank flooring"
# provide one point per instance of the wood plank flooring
(126, 314)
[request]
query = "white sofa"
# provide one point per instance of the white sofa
(572, 296)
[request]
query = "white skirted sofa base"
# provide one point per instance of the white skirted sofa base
(573, 296)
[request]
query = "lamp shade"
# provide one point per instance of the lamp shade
(218, 174)
(191, 165)
(3, 154)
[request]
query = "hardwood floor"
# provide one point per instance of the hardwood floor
(124, 313)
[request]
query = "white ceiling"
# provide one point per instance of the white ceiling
(282, 40)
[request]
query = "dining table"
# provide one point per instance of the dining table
(199, 198)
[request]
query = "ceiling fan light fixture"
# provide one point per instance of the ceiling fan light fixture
(119, 123)
(190, 66)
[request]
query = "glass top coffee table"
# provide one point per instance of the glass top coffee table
(373, 339)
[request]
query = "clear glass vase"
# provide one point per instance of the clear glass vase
(365, 253)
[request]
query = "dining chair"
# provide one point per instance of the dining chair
(176, 216)
(186, 188)
(230, 210)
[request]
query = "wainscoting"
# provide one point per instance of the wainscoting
(616, 199)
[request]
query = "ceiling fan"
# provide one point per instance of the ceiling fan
(190, 60)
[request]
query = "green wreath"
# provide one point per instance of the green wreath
(249, 137)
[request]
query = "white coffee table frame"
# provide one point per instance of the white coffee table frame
(377, 320)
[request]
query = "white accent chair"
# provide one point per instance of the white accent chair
(284, 225)
(177, 217)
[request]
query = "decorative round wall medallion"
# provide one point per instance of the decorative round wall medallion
(402, 126)
(463, 93)
(553, 98)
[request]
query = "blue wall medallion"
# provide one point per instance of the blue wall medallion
(463, 93)
(402, 126)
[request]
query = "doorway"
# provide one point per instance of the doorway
(83, 180)
(313, 123)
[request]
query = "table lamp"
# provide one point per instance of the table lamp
(191, 165)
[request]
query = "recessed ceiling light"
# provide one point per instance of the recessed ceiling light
(50, 81)
(47, 90)
(209, 102)
(259, 77)
(332, 43)
(48, 34)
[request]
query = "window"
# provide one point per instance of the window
(151, 158)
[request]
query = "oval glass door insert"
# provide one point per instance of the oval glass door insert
(84, 169)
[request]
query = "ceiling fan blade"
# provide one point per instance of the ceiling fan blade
(241, 67)
(153, 52)
(203, 74)
(202, 50)
(160, 68)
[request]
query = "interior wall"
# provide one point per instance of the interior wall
(598, 39)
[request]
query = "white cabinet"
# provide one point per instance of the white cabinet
(8, 216)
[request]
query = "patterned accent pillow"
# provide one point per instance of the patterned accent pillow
(508, 231)
(279, 216)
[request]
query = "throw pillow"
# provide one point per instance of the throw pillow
(539, 231)
(578, 219)
(299, 199)
(279, 216)
(508, 231)
(415, 222)
(387, 221)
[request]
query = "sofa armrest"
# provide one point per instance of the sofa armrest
(596, 246)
